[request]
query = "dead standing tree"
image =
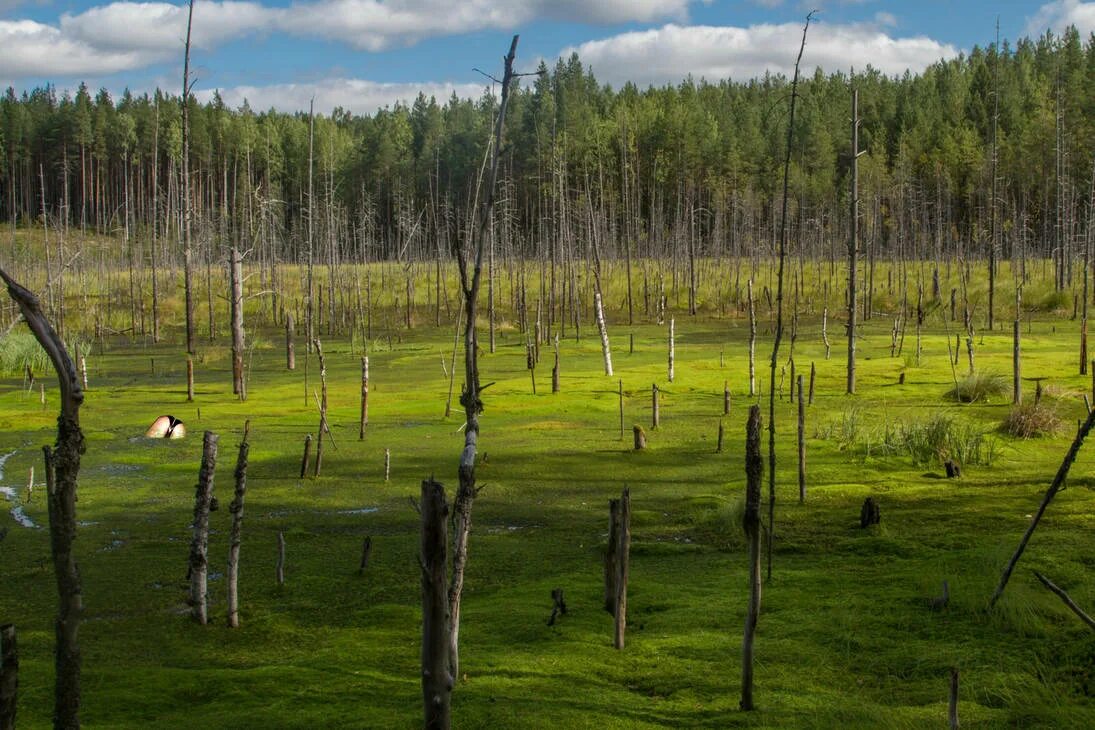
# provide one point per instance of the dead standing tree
(754, 474)
(779, 305)
(470, 397)
(62, 467)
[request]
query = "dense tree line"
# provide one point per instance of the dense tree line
(684, 170)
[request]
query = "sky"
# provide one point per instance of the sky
(362, 55)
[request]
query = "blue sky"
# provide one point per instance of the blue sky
(363, 54)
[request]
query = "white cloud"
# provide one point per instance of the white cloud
(668, 54)
(1058, 15)
(161, 27)
(34, 50)
(357, 95)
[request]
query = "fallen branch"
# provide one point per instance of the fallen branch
(1065, 597)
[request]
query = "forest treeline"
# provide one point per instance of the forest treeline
(587, 169)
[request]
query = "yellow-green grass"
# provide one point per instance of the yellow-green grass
(845, 637)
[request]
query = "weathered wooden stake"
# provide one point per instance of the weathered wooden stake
(623, 561)
(363, 420)
(387, 464)
(725, 398)
(189, 379)
(754, 468)
(718, 447)
(290, 347)
(801, 443)
(199, 546)
(555, 368)
(307, 455)
(437, 680)
(236, 535)
(9, 676)
(279, 569)
(655, 416)
(813, 377)
(366, 551)
(322, 406)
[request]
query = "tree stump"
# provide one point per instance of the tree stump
(559, 605)
(640, 437)
(869, 514)
(952, 468)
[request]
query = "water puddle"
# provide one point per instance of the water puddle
(17, 512)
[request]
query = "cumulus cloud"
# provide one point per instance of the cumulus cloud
(1057, 16)
(161, 26)
(356, 95)
(35, 49)
(667, 54)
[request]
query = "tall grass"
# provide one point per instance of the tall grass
(977, 387)
(926, 443)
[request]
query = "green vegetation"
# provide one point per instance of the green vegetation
(845, 636)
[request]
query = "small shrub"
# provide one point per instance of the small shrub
(1031, 419)
(978, 387)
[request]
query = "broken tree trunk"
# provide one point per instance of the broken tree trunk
(1060, 593)
(235, 536)
(655, 410)
(62, 468)
(623, 561)
(1058, 482)
(754, 469)
(307, 455)
(9, 676)
(437, 681)
(199, 546)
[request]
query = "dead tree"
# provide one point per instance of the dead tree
(9, 676)
(188, 203)
(437, 677)
(853, 243)
(754, 470)
(952, 704)
(235, 536)
(779, 304)
(752, 341)
(62, 468)
(470, 398)
(363, 421)
(801, 443)
(1060, 593)
(307, 455)
(235, 270)
(322, 407)
(672, 324)
(290, 348)
(199, 545)
(1058, 482)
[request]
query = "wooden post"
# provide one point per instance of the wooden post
(621, 391)
(366, 551)
(387, 464)
(623, 551)
(290, 347)
(235, 536)
(363, 421)
(235, 268)
(952, 705)
(307, 455)
(672, 325)
(199, 546)
(611, 567)
(555, 368)
(801, 443)
(189, 379)
(83, 371)
(322, 404)
(9, 676)
(655, 415)
(279, 569)
(725, 398)
(813, 377)
(437, 681)
(754, 468)
(718, 448)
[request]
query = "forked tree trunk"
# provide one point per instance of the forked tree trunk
(62, 468)
(437, 680)
(199, 545)
(754, 468)
(235, 536)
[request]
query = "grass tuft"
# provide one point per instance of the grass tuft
(1030, 419)
(977, 387)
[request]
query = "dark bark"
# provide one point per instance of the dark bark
(199, 545)
(623, 564)
(754, 470)
(235, 536)
(9, 676)
(437, 680)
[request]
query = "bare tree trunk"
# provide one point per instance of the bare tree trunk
(9, 676)
(437, 679)
(801, 442)
(363, 421)
(1060, 593)
(606, 350)
(672, 324)
(279, 569)
(754, 470)
(199, 546)
(1016, 353)
(188, 276)
(470, 399)
(322, 407)
(235, 536)
(779, 308)
(235, 269)
(853, 243)
(290, 348)
(952, 704)
(752, 341)
(307, 455)
(62, 468)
